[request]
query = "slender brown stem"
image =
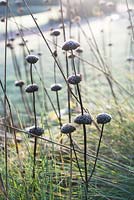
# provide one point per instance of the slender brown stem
(85, 153)
(67, 68)
(55, 72)
(69, 96)
(71, 169)
(35, 124)
(17, 65)
(70, 18)
(130, 19)
(3, 187)
(34, 108)
(72, 147)
(26, 105)
(62, 18)
(47, 94)
(97, 153)
(5, 100)
(14, 65)
(68, 89)
(115, 98)
(84, 128)
(34, 161)
(25, 63)
(59, 110)
(43, 77)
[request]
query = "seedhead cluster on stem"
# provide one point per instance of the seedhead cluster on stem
(55, 32)
(103, 118)
(3, 3)
(83, 119)
(19, 83)
(70, 45)
(68, 128)
(74, 79)
(31, 88)
(32, 59)
(56, 87)
(36, 131)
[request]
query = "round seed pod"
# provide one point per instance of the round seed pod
(19, 83)
(3, 3)
(130, 59)
(22, 44)
(110, 44)
(79, 50)
(32, 59)
(83, 119)
(39, 54)
(74, 79)
(70, 45)
(17, 33)
(71, 56)
(103, 118)
(11, 47)
(56, 87)
(67, 128)
(37, 131)
(55, 32)
(129, 27)
(31, 88)
(2, 19)
(55, 53)
(9, 44)
(11, 39)
(31, 50)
